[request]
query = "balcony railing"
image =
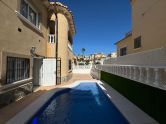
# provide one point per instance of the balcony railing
(51, 38)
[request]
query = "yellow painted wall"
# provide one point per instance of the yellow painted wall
(62, 43)
(21, 42)
(63, 51)
(149, 21)
(15, 43)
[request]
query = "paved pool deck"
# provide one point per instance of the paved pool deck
(7, 112)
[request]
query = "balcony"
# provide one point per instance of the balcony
(51, 38)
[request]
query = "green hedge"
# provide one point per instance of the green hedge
(149, 99)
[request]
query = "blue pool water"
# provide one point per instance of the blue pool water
(84, 104)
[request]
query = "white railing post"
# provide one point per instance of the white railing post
(135, 73)
(121, 70)
(157, 76)
(140, 74)
(124, 71)
(126, 75)
(130, 72)
(147, 75)
(116, 70)
(121, 73)
(113, 69)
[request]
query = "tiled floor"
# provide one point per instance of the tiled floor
(9, 111)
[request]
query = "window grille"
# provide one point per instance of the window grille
(17, 69)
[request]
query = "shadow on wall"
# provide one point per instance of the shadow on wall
(149, 99)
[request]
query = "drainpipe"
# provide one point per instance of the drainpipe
(56, 41)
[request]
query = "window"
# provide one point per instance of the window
(32, 16)
(70, 64)
(29, 13)
(24, 9)
(123, 51)
(137, 42)
(17, 69)
(70, 37)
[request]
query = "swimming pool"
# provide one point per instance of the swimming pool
(83, 104)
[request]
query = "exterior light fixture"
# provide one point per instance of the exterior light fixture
(32, 50)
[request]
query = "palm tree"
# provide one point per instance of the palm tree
(83, 50)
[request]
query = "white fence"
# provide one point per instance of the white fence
(150, 75)
(82, 69)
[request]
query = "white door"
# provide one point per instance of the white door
(49, 72)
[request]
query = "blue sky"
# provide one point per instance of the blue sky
(99, 24)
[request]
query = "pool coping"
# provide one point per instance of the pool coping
(131, 112)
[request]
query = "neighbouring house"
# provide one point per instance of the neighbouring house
(28, 46)
(98, 58)
(125, 45)
(112, 55)
(148, 28)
